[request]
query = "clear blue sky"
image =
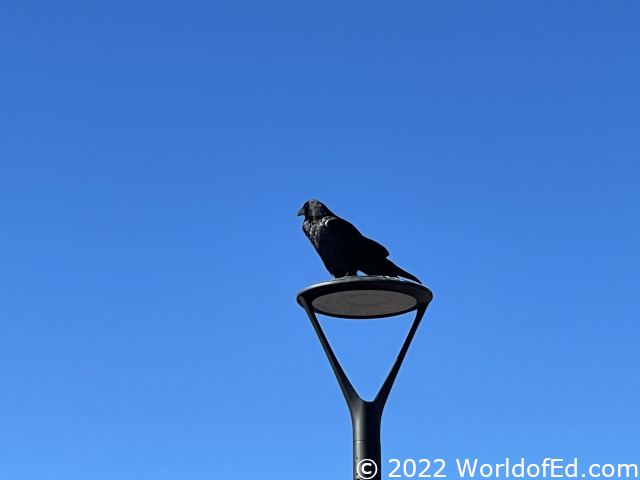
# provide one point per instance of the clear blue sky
(153, 156)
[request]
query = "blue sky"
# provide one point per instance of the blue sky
(153, 156)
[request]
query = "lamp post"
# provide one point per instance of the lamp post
(362, 298)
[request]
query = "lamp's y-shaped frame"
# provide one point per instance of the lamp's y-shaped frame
(365, 416)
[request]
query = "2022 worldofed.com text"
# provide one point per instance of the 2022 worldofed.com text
(549, 467)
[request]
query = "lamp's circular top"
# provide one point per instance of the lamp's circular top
(365, 297)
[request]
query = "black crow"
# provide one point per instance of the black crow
(342, 248)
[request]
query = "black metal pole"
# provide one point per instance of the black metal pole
(366, 416)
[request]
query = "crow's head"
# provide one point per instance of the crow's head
(314, 210)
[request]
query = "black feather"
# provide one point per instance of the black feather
(342, 248)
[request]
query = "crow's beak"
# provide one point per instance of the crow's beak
(300, 212)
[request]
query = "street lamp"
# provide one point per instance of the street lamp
(362, 298)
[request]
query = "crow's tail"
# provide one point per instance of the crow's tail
(402, 273)
(398, 272)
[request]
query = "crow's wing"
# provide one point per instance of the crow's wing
(338, 228)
